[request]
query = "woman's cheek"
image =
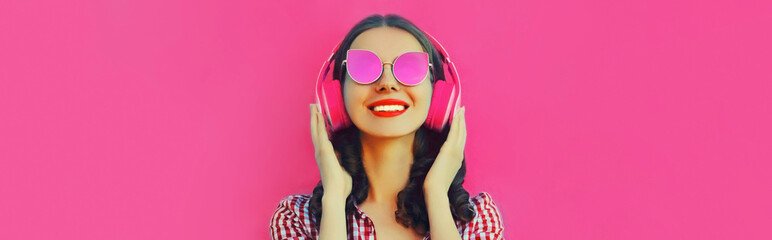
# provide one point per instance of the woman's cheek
(426, 98)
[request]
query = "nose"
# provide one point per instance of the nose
(387, 82)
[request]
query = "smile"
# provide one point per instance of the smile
(388, 110)
(388, 107)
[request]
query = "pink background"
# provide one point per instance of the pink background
(189, 119)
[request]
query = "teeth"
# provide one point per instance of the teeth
(388, 108)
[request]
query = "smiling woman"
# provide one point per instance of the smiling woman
(389, 143)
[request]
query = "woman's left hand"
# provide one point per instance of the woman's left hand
(449, 159)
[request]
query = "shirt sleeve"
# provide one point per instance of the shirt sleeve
(286, 223)
(487, 222)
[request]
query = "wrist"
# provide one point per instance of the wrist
(432, 184)
(333, 200)
(435, 190)
(436, 198)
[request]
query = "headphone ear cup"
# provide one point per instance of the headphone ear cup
(443, 102)
(335, 107)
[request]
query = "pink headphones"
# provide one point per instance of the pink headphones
(446, 95)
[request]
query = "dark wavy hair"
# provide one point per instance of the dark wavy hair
(411, 205)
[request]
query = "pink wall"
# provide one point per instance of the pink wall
(189, 119)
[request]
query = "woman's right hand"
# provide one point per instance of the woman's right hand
(335, 180)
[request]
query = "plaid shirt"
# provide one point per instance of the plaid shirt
(292, 220)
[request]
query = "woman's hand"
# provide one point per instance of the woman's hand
(449, 159)
(335, 180)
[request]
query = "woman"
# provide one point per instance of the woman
(387, 171)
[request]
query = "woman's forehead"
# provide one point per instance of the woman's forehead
(387, 42)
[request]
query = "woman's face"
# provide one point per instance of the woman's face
(387, 43)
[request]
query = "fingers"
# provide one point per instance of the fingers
(321, 128)
(453, 128)
(313, 124)
(462, 128)
(457, 134)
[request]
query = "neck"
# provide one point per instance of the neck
(387, 162)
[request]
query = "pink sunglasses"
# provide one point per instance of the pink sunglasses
(365, 67)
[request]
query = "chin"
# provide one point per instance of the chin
(389, 127)
(380, 131)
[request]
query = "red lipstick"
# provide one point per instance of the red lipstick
(387, 102)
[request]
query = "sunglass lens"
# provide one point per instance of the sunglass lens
(363, 66)
(411, 68)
